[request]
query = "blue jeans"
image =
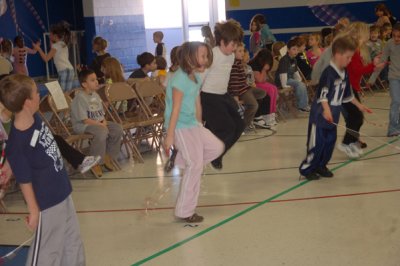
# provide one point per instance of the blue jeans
(300, 91)
(394, 125)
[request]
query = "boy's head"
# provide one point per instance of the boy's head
(158, 36)
(18, 92)
(374, 33)
(293, 50)
(396, 33)
(239, 52)
(386, 30)
(343, 49)
(6, 47)
(301, 43)
(161, 63)
(99, 44)
(88, 80)
(227, 35)
(147, 61)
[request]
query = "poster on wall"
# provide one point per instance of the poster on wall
(234, 3)
(3, 7)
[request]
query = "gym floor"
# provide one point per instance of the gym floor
(256, 210)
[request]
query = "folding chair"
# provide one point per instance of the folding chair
(152, 99)
(311, 90)
(121, 91)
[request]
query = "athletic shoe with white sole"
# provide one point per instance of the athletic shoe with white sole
(88, 162)
(260, 122)
(350, 152)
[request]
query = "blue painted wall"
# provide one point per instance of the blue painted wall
(69, 10)
(304, 16)
(125, 34)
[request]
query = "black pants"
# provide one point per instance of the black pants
(220, 113)
(263, 106)
(354, 119)
(74, 157)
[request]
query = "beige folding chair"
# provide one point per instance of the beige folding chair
(152, 99)
(121, 91)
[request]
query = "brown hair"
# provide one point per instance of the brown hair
(113, 69)
(258, 25)
(291, 43)
(207, 33)
(382, 7)
(159, 34)
(276, 48)
(15, 90)
(300, 41)
(187, 56)
(6, 46)
(396, 27)
(174, 59)
(84, 74)
(62, 31)
(100, 42)
(374, 28)
(161, 63)
(228, 31)
(260, 18)
(144, 59)
(344, 44)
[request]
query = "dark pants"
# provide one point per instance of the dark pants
(221, 117)
(354, 119)
(264, 106)
(320, 146)
(71, 155)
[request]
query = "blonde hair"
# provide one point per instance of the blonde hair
(113, 69)
(317, 37)
(359, 30)
(187, 56)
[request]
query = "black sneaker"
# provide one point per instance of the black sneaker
(363, 145)
(324, 172)
(217, 164)
(312, 176)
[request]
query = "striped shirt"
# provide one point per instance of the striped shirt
(238, 79)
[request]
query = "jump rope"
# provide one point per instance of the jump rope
(12, 254)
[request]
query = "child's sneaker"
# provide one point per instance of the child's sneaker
(260, 122)
(352, 154)
(357, 148)
(312, 176)
(88, 162)
(324, 172)
(195, 218)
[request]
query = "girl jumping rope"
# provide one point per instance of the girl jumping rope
(197, 146)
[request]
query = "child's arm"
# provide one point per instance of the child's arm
(30, 50)
(327, 114)
(177, 97)
(360, 106)
(95, 122)
(46, 57)
(199, 110)
(260, 77)
(33, 207)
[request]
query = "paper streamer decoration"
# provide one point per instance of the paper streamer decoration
(3, 7)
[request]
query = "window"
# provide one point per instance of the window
(162, 14)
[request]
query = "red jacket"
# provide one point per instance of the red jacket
(357, 69)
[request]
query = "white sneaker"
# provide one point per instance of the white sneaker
(350, 152)
(88, 162)
(260, 122)
(356, 148)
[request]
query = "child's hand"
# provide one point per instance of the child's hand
(328, 116)
(5, 173)
(36, 46)
(168, 142)
(363, 108)
(380, 66)
(32, 220)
